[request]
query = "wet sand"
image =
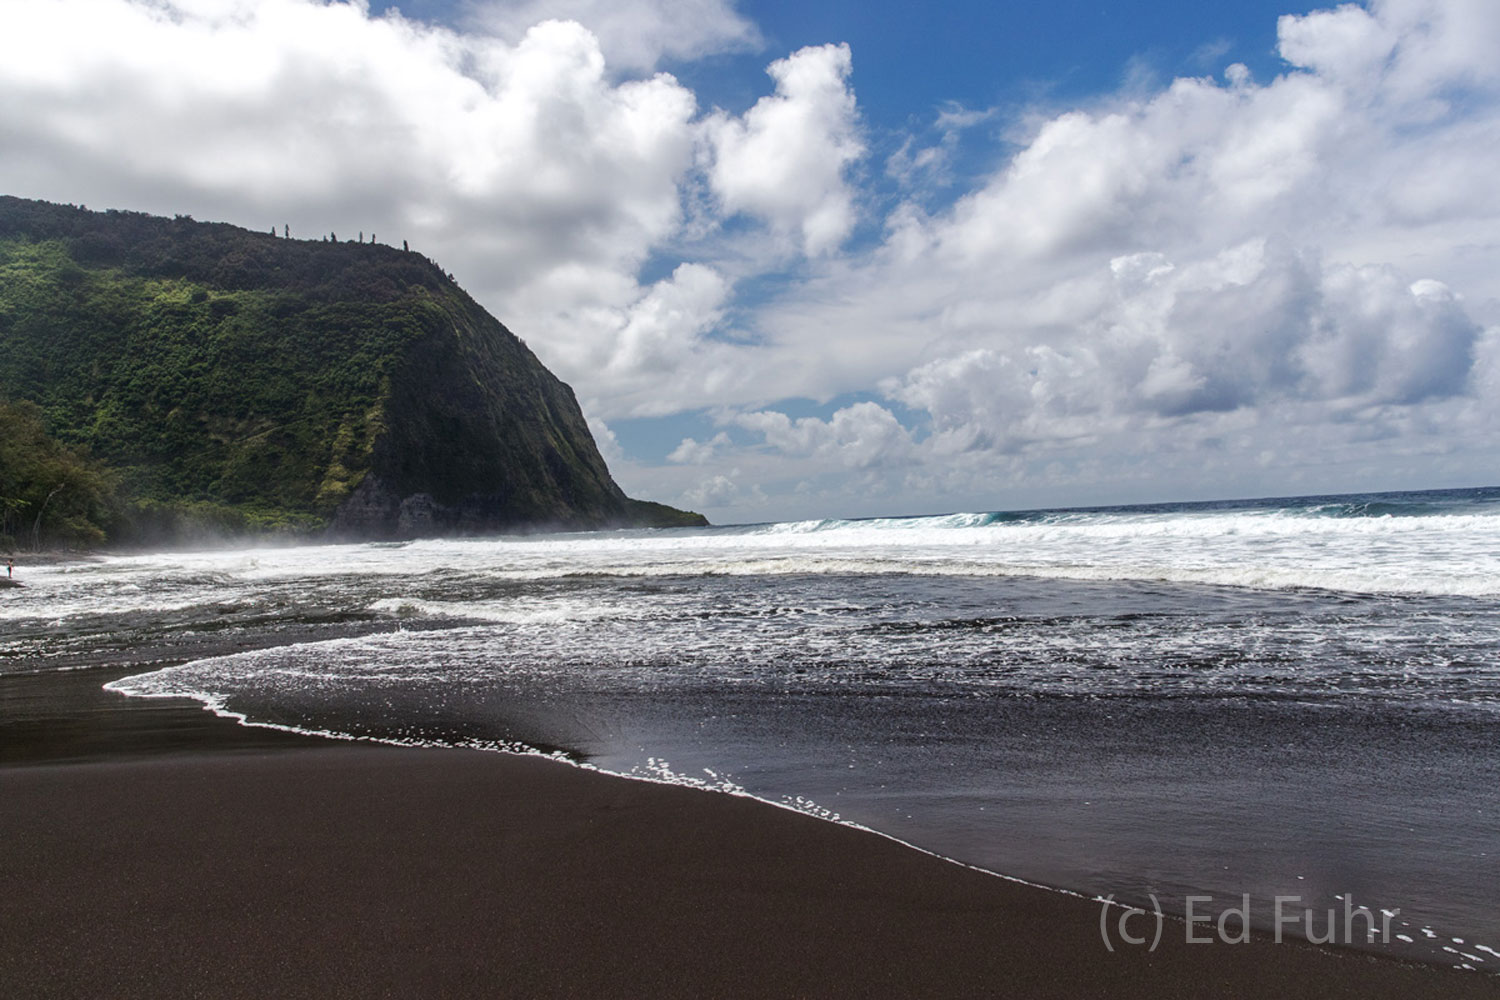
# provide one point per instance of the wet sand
(223, 861)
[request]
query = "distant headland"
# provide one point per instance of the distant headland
(165, 381)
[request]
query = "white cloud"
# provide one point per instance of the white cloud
(1346, 44)
(633, 34)
(1252, 327)
(637, 351)
(663, 326)
(784, 160)
(714, 492)
(859, 436)
(1410, 54)
(693, 452)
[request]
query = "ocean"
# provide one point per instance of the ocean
(1233, 701)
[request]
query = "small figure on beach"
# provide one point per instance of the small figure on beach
(10, 568)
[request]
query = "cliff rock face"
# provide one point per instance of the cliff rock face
(303, 384)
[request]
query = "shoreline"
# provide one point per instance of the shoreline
(173, 852)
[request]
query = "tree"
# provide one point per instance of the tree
(10, 516)
(74, 498)
(36, 526)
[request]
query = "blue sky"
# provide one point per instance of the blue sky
(912, 58)
(852, 259)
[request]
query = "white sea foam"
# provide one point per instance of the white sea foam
(520, 610)
(627, 636)
(1456, 555)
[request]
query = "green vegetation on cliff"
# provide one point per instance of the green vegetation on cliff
(49, 494)
(248, 382)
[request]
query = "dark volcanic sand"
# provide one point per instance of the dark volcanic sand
(209, 861)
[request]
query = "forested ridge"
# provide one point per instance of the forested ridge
(198, 378)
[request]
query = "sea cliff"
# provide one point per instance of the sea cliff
(225, 381)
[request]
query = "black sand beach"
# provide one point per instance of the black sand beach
(215, 860)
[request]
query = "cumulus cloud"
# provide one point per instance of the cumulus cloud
(693, 452)
(784, 160)
(633, 34)
(637, 351)
(859, 436)
(1404, 53)
(716, 492)
(1251, 327)
(664, 324)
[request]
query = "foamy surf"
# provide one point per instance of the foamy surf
(1117, 701)
(1444, 547)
